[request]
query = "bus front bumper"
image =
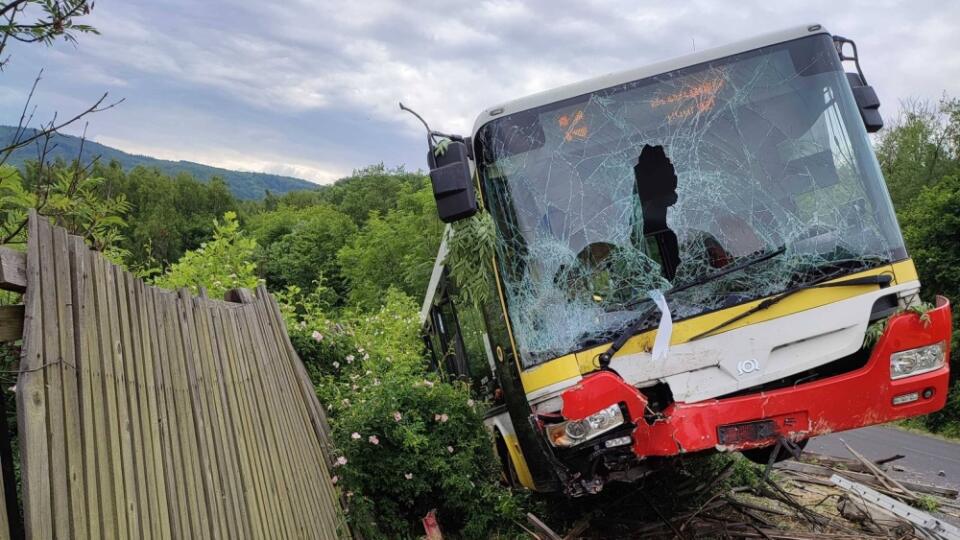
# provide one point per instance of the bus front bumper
(858, 398)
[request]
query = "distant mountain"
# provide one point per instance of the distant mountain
(244, 185)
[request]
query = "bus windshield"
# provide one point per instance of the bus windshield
(601, 199)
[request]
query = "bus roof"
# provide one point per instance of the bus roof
(622, 77)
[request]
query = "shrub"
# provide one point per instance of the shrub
(408, 442)
(219, 265)
(931, 225)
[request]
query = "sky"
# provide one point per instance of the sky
(310, 88)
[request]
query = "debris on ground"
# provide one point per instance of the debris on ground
(815, 497)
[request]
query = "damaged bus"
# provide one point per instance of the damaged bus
(695, 256)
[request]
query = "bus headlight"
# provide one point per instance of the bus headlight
(574, 432)
(916, 361)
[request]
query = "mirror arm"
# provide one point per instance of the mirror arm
(839, 42)
(431, 134)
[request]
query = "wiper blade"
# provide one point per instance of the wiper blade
(729, 270)
(641, 321)
(717, 275)
(882, 280)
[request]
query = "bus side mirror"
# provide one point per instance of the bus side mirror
(867, 102)
(452, 182)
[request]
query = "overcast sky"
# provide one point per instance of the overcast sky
(310, 88)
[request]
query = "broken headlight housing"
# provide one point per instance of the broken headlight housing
(916, 361)
(574, 432)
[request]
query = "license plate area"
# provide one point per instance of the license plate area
(747, 432)
(755, 431)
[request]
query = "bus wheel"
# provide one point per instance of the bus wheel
(761, 456)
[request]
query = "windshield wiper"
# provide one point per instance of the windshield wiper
(641, 321)
(711, 277)
(882, 280)
(729, 270)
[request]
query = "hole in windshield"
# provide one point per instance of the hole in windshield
(657, 190)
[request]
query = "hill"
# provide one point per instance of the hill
(244, 185)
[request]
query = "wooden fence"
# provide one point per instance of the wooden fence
(146, 413)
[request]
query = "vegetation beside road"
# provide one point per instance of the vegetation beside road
(920, 158)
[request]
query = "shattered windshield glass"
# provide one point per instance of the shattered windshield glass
(668, 180)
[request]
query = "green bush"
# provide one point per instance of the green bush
(219, 265)
(931, 226)
(408, 442)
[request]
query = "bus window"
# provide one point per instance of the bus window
(454, 357)
(477, 347)
(430, 343)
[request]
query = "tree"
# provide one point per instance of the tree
(49, 19)
(300, 246)
(920, 157)
(920, 148)
(397, 249)
(931, 228)
(67, 193)
(371, 189)
(222, 264)
(168, 215)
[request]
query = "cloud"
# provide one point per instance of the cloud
(229, 158)
(313, 86)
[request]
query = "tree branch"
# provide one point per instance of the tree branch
(53, 128)
(12, 6)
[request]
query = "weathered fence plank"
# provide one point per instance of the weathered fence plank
(11, 323)
(13, 270)
(32, 403)
(112, 462)
(68, 375)
(146, 413)
(58, 475)
(89, 384)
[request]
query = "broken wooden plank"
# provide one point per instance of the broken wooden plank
(891, 483)
(869, 479)
(929, 523)
(13, 270)
(542, 527)
(872, 518)
(11, 322)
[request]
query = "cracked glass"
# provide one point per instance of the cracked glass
(674, 180)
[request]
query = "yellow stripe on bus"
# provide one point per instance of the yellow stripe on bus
(519, 463)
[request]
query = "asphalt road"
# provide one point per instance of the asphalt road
(928, 459)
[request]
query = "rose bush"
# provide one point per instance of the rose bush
(407, 441)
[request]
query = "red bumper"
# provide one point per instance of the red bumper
(855, 399)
